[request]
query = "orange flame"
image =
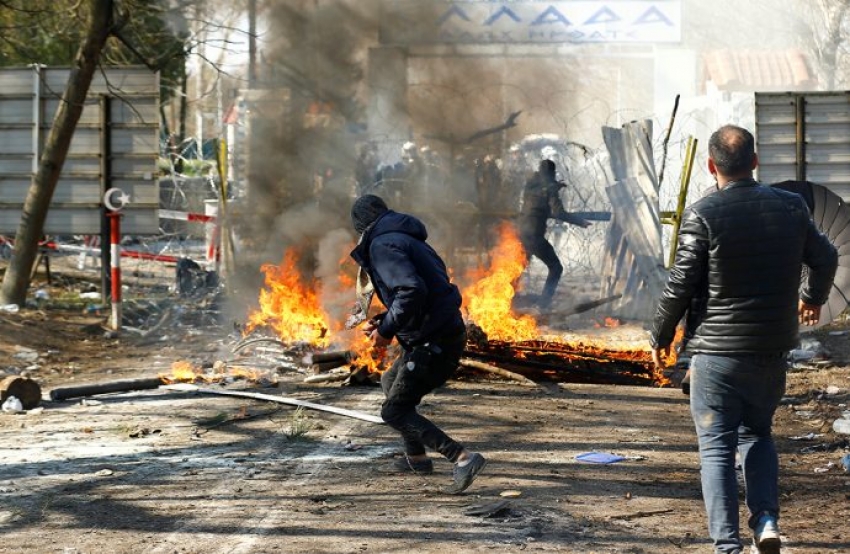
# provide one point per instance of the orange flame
(182, 372)
(290, 307)
(373, 359)
(488, 301)
(185, 372)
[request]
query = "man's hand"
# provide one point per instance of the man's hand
(370, 329)
(809, 313)
(659, 355)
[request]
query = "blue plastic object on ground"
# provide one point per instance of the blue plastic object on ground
(599, 458)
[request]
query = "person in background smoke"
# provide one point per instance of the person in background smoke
(540, 202)
(423, 315)
(366, 168)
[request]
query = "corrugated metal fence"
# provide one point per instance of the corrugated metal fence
(805, 136)
(116, 144)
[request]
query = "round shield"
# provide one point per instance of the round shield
(831, 215)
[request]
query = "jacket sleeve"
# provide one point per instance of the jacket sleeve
(409, 292)
(821, 257)
(557, 211)
(686, 278)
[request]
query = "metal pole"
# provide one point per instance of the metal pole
(36, 118)
(690, 154)
(252, 43)
(667, 142)
(800, 116)
(105, 185)
(115, 248)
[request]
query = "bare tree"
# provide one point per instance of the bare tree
(101, 23)
(829, 27)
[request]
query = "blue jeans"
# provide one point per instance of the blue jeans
(733, 399)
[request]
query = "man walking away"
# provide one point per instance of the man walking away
(423, 315)
(540, 202)
(748, 243)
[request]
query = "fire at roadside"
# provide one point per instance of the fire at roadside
(291, 323)
(293, 330)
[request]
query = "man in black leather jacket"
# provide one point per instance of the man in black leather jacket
(749, 242)
(541, 201)
(423, 315)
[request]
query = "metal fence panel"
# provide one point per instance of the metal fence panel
(133, 148)
(82, 220)
(805, 136)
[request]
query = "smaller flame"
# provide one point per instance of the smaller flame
(184, 372)
(488, 301)
(289, 306)
(246, 373)
(373, 359)
(608, 322)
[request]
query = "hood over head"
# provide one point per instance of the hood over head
(366, 210)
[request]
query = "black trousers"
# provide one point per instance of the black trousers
(415, 373)
(537, 245)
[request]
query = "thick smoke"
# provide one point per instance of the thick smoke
(347, 104)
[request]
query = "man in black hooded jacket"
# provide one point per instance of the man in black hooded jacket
(423, 315)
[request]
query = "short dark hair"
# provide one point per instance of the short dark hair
(733, 150)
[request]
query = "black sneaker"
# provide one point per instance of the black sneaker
(464, 475)
(406, 465)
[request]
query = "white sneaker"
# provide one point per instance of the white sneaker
(767, 535)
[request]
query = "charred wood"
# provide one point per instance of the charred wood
(124, 385)
(322, 357)
(489, 368)
(554, 367)
(324, 367)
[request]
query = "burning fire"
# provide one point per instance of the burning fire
(185, 372)
(488, 301)
(293, 307)
(609, 322)
(368, 356)
(294, 310)
(182, 372)
(289, 306)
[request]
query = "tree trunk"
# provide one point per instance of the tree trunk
(832, 42)
(17, 277)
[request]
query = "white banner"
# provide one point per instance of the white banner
(530, 21)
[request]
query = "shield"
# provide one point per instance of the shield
(831, 215)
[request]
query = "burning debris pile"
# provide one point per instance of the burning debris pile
(568, 362)
(296, 328)
(499, 337)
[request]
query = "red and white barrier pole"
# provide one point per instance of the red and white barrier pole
(213, 235)
(186, 216)
(114, 200)
(115, 273)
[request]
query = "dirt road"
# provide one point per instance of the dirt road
(174, 472)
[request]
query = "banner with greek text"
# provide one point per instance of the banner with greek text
(530, 21)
